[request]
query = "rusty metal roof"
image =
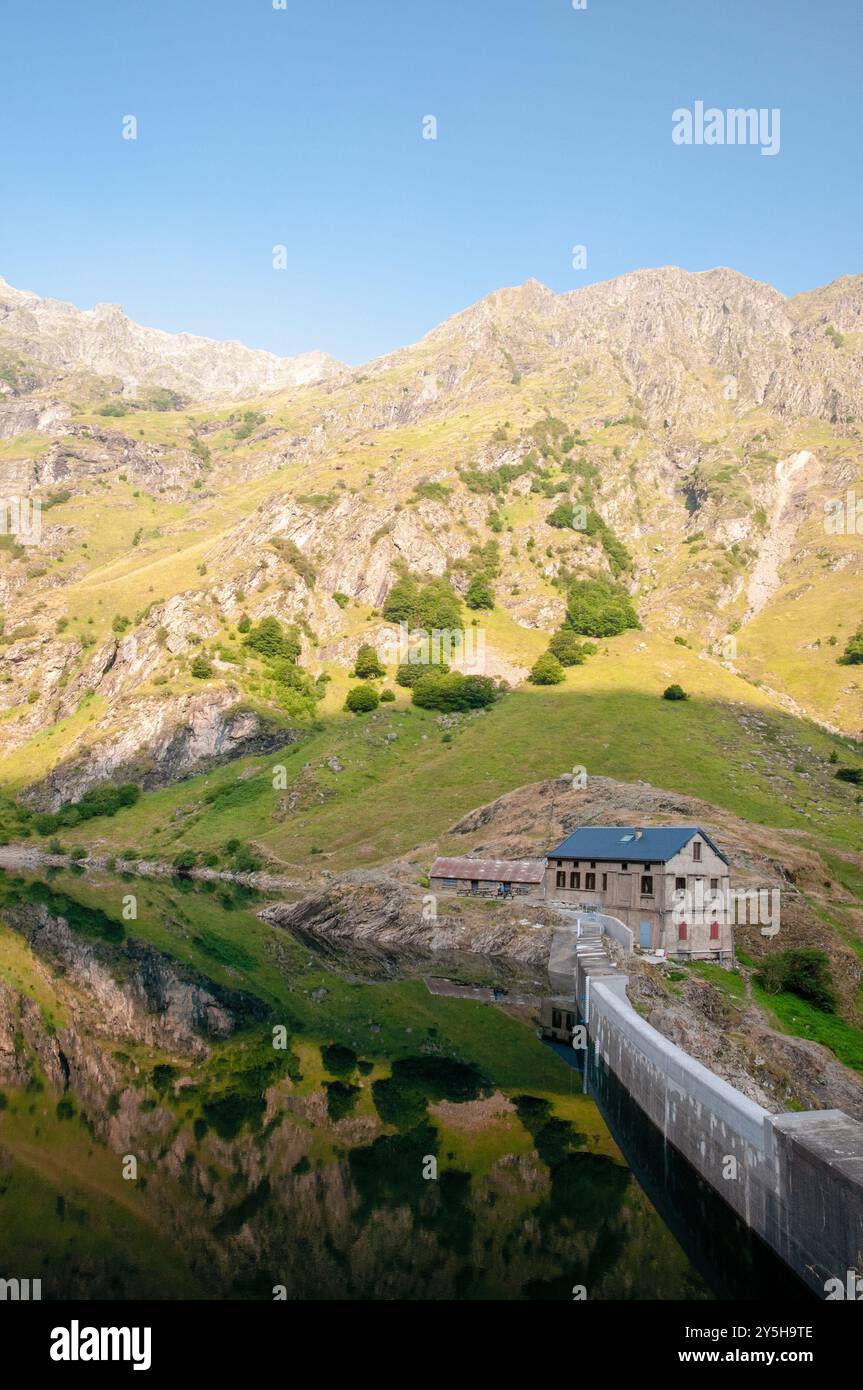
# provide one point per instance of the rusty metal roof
(495, 870)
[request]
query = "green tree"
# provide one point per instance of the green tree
(563, 516)
(434, 604)
(480, 593)
(438, 606)
(599, 608)
(361, 699)
(367, 666)
(410, 672)
(270, 640)
(401, 601)
(547, 670)
(674, 692)
(567, 648)
(201, 668)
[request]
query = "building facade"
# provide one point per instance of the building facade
(669, 884)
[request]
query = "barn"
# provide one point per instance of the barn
(488, 877)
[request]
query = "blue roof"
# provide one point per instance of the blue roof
(618, 843)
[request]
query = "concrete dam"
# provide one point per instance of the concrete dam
(794, 1179)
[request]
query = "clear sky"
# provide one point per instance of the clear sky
(302, 127)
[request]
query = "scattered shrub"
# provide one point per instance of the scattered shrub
(853, 654)
(546, 670)
(805, 973)
(361, 699)
(568, 650)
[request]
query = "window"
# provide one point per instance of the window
(714, 885)
(680, 885)
(590, 880)
(570, 1021)
(560, 879)
(593, 863)
(575, 880)
(624, 867)
(681, 932)
(647, 885)
(696, 849)
(450, 883)
(556, 1019)
(714, 931)
(604, 882)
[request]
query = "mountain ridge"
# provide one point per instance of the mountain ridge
(700, 418)
(106, 341)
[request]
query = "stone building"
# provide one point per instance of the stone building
(488, 877)
(670, 884)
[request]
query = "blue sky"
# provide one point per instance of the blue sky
(303, 127)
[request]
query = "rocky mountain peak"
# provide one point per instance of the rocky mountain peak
(104, 340)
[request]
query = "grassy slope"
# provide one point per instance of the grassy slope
(726, 744)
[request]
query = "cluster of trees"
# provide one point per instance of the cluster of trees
(805, 973)
(269, 640)
(430, 604)
(450, 691)
(410, 672)
(599, 608)
(106, 800)
(279, 649)
(482, 567)
(595, 608)
(363, 698)
(432, 686)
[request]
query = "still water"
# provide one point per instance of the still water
(194, 1104)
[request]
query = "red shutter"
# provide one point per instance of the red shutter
(681, 932)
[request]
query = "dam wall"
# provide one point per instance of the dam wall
(795, 1179)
